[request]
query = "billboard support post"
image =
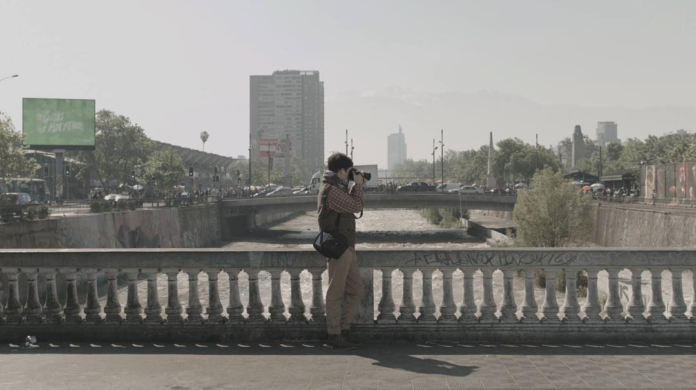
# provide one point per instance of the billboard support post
(59, 175)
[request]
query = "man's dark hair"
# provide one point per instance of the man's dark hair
(338, 161)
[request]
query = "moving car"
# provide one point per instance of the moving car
(14, 204)
(416, 186)
(280, 191)
(450, 187)
(470, 190)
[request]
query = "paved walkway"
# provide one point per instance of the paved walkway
(373, 366)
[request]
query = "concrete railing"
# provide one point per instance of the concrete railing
(487, 317)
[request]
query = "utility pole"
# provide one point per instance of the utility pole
(346, 142)
(442, 159)
(599, 169)
(537, 153)
(434, 149)
(351, 148)
(270, 161)
(249, 158)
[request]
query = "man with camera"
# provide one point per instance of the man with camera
(337, 204)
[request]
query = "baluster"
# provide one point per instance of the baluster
(386, 304)
(317, 309)
(14, 307)
(448, 308)
(73, 309)
(113, 306)
(592, 307)
(214, 309)
(153, 311)
(692, 306)
(549, 309)
(366, 308)
(487, 308)
(92, 306)
(297, 307)
(677, 306)
(133, 308)
(255, 308)
(53, 310)
(467, 310)
(407, 308)
(194, 308)
(571, 307)
(613, 307)
(2, 308)
(529, 305)
(656, 308)
(32, 311)
(277, 307)
(636, 306)
(235, 307)
(508, 308)
(427, 307)
(174, 308)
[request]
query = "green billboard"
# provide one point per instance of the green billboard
(58, 123)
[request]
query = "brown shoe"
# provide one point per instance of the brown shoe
(336, 341)
(348, 336)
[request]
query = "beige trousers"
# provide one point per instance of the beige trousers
(344, 278)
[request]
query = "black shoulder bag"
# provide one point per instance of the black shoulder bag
(331, 244)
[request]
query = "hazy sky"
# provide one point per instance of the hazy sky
(178, 68)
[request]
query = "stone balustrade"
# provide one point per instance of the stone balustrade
(496, 315)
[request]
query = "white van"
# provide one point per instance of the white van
(449, 187)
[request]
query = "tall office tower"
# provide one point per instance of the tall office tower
(607, 132)
(396, 149)
(578, 152)
(288, 106)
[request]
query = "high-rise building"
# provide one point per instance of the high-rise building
(607, 132)
(396, 149)
(289, 105)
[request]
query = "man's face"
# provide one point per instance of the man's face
(343, 174)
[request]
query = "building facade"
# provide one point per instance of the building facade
(607, 132)
(289, 105)
(396, 149)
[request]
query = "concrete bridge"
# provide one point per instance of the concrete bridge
(493, 315)
(237, 207)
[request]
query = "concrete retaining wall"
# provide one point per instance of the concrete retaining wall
(189, 227)
(617, 226)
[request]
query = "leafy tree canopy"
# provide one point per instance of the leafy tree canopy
(552, 213)
(13, 163)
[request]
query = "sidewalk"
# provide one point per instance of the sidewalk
(373, 366)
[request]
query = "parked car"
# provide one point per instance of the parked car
(281, 191)
(416, 186)
(14, 205)
(111, 197)
(122, 197)
(470, 190)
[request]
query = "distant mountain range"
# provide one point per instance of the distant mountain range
(467, 118)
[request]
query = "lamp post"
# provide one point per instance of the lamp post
(351, 148)
(249, 161)
(433, 153)
(442, 159)
(346, 142)
(9, 77)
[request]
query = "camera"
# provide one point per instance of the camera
(351, 174)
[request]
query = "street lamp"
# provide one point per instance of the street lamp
(9, 77)
(442, 158)
(433, 153)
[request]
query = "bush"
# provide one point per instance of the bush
(44, 211)
(446, 218)
(99, 206)
(32, 213)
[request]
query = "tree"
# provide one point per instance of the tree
(552, 213)
(120, 147)
(204, 138)
(165, 167)
(13, 162)
(516, 160)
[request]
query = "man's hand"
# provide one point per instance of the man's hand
(358, 179)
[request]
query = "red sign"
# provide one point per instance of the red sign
(268, 147)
